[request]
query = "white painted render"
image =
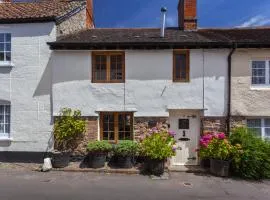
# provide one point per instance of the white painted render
(148, 88)
(27, 86)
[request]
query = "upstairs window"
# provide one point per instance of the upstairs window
(5, 47)
(4, 120)
(260, 73)
(181, 66)
(116, 126)
(260, 126)
(108, 67)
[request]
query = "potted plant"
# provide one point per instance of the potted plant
(221, 154)
(68, 129)
(157, 146)
(203, 151)
(125, 152)
(98, 151)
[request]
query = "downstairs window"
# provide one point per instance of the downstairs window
(260, 126)
(116, 126)
(4, 121)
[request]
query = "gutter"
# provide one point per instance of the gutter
(228, 120)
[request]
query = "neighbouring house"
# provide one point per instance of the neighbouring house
(251, 85)
(25, 78)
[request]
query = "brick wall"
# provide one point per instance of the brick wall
(187, 14)
(216, 124)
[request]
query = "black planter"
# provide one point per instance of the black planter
(205, 163)
(220, 167)
(124, 162)
(60, 159)
(97, 160)
(155, 167)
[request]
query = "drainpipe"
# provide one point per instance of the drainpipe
(228, 120)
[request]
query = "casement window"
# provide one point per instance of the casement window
(260, 127)
(181, 66)
(116, 126)
(260, 73)
(108, 67)
(4, 120)
(5, 47)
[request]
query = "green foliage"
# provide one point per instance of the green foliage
(126, 148)
(220, 149)
(204, 153)
(158, 146)
(68, 127)
(99, 147)
(253, 160)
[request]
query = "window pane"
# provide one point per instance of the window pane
(2, 128)
(8, 37)
(254, 123)
(2, 35)
(7, 47)
(180, 66)
(267, 123)
(8, 56)
(2, 46)
(7, 119)
(1, 119)
(258, 72)
(100, 67)
(2, 56)
(116, 67)
(7, 109)
(105, 135)
(2, 109)
(267, 132)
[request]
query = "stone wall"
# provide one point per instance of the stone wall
(73, 24)
(216, 124)
(141, 124)
(238, 122)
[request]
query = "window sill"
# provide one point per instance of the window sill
(6, 64)
(6, 139)
(260, 87)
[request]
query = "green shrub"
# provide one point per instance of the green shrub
(158, 145)
(253, 160)
(99, 147)
(68, 127)
(126, 148)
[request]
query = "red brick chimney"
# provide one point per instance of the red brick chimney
(89, 14)
(5, 1)
(187, 14)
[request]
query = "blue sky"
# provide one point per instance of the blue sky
(211, 13)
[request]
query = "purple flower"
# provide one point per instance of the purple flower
(221, 136)
(172, 133)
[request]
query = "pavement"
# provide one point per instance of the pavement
(23, 184)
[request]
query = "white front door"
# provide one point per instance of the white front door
(186, 124)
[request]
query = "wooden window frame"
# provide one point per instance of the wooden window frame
(187, 54)
(108, 66)
(116, 128)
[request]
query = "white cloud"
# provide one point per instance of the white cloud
(258, 20)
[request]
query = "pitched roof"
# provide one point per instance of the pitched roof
(45, 10)
(174, 38)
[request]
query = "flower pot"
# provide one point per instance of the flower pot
(124, 162)
(60, 159)
(97, 160)
(155, 167)
(220, 167)
(205, 163)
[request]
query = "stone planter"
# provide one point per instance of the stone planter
(60, 159)
(97, 160)
(220, 167)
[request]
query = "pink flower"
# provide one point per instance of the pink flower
(221, 136)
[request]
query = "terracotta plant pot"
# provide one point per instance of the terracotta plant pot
(60, 159)
(220, 167)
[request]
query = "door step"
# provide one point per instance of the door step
(188, 169)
